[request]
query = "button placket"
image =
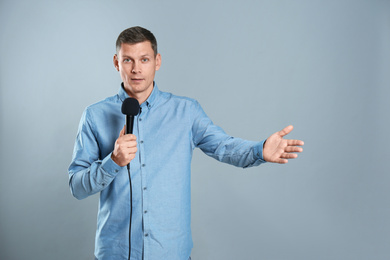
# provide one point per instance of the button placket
(143, 173)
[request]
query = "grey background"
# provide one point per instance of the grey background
(255, 66)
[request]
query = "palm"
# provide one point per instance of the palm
(279, 150)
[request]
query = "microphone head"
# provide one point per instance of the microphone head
(130, 107)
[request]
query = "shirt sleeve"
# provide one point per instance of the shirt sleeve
(88, 174)
(213, 141)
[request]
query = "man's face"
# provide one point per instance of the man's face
(137, 66)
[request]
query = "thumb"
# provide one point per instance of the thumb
(122, 133)
(286, 130)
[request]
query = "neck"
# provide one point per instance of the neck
(142, 96)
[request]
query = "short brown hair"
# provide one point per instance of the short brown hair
(135, 35)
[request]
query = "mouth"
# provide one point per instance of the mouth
(137, 80)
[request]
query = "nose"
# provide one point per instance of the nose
(136, 68)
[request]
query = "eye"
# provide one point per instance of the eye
(145, 60)
(126, 60)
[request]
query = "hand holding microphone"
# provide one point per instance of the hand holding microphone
(126, 144)
(125, 148)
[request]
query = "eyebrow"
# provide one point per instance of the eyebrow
(142, 56)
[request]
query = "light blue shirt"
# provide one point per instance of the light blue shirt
(167, 129)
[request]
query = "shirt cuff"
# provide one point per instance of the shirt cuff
(110, 167)
(258, 150)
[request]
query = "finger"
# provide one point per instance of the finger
(128, 157)
(132, 156)
(281, 161)
(132, 150)
(292, 142)
(288, 156)
(131, 144)
(286, 130)
(129, 137)
(127, 146)
(293, 149)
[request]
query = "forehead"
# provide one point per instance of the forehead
(136, 49)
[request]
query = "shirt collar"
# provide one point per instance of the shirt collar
(149, 102)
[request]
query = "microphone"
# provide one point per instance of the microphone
(130, 107)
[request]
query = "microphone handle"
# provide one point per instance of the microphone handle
(129, 129)
(129, 124)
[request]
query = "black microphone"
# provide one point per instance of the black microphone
(130, 107)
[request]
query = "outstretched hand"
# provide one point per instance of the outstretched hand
(279, 150)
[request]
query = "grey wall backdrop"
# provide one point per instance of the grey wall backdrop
(255, 66)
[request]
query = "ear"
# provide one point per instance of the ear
(116, 62)
(158, 61)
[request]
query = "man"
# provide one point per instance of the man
(154, 221)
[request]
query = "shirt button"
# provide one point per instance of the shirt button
(146, 234)
(140, 119)
(142, 142)
(145, 211)
(143, 165)
(145, 188)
